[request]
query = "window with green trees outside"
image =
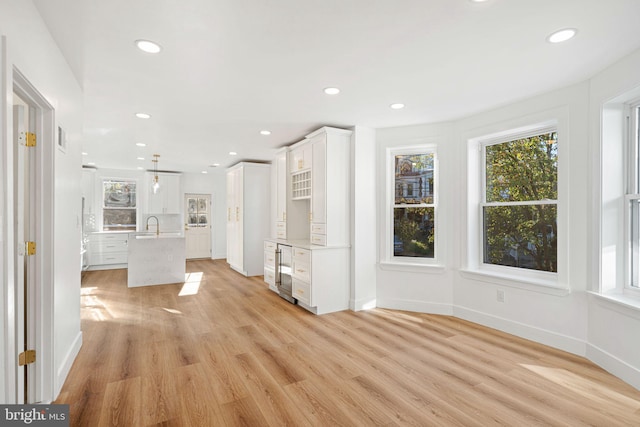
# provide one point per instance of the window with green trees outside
(414, 206)
(519, 211)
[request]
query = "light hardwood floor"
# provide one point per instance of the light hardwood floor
(224, 350)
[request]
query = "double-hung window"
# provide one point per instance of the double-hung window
(518, 209)
(414, 205)
(119, 207)
(633, 200)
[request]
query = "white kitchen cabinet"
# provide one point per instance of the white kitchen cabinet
(168, 198)
(320, 278)
(281, 175)
(248, 198)
(300, 157)
(107, 250)
(270, 264)
(330, 203)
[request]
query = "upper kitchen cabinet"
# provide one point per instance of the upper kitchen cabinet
(167, 199)
(330, 204)
(248, 198)
(300, 157)
(279, 168)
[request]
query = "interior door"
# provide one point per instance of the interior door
(198, 225)
(25, 264)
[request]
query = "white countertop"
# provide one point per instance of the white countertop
(152, 235)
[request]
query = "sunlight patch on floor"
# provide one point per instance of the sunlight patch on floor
(94, 308)
(399, 317)
(171, 310)
(191, 284)
(595, 392)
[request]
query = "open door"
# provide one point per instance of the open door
(25, 261)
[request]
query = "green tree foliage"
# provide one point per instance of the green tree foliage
(523, 170)
(414, 227)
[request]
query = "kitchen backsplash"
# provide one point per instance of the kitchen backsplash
(168, 222)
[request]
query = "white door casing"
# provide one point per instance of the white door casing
(35, 171)
(198, 225)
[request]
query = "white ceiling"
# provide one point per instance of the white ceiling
(230, 68)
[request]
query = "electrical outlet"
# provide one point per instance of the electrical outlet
(500, 295)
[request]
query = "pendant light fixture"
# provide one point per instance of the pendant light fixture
(155, 185)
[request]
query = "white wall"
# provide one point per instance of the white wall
(613, 325)
(363, 222)
(215, 185)
(424, 288)
(568, 319)
(32, 51)
(554, 318)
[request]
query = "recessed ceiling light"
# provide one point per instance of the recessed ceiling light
(232, 153)
(562, 35)
(85, 154)
(397, 106)
(205, 172)
(140, 168)
(140, 158)
(478, 1)
(265, 132)
(215, 165)
(148, 46)
(331, 90)
(141, 144)
(91, 163)
(143, 115)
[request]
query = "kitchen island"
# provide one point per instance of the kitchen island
(156, 259)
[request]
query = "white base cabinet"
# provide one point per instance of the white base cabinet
(320, 276)
(270, 264)
(107, 250)
(248, 199)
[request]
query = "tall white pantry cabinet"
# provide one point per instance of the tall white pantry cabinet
(248, 199)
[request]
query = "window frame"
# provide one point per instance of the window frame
(632, 193)
(554, 282)
(388, 256)
(484, 204)
(103, 208)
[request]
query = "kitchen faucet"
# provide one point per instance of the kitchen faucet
(157, 224)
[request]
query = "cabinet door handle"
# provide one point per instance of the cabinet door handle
(237, 213)
(284, 216)
(228, 214)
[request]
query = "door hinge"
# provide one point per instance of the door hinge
(27, 357)
(31, 248)
(31, 139)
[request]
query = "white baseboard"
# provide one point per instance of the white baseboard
(363, 304)
(613, 365)
(413, 305)
(542, 336)
(65, 366)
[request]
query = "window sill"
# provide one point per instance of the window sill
(625, 304)
(528, 284)
(412, 267)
